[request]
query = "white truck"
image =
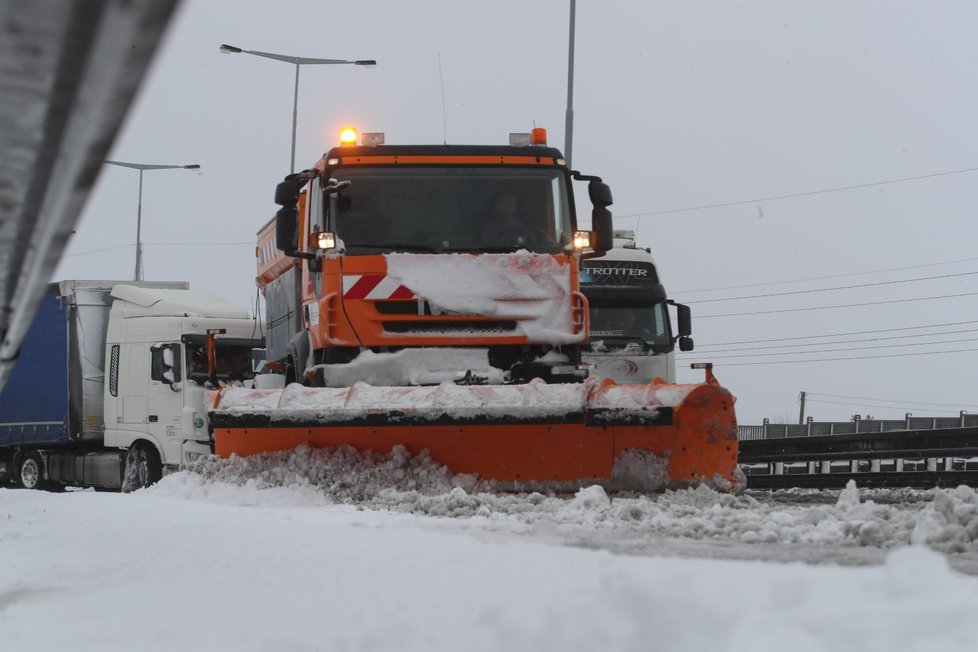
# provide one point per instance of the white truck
(631, 337)
(108, 389)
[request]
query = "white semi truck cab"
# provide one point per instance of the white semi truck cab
(632, 339)
(108, 390)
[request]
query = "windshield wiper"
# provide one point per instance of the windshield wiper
(402, 247)
(628, 339)
(505, 249)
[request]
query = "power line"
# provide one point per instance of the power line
(862, 357)
(845, 305)
(841, 287)
(162, 244)
(879, 407)
(885, 400)
(831, 276)
(199, 244)
(806, 337)
(98, 251)
(801, 194)
(867, 339)
(856, 348)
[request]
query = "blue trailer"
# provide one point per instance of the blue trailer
(51, 408)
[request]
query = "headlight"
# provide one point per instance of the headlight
(324, 240)
(189, 457)
(582, 240)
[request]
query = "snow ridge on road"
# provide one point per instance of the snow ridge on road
(945, 520)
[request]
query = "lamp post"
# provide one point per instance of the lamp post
(297, 61)
(142, 167)
(569, 114)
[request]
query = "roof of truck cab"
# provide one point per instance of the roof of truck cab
(446, 154)
(176, 303)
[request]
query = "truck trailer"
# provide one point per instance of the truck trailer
(108, 390)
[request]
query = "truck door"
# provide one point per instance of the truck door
(164, 397)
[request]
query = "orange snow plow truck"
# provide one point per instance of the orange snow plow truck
(427, 296)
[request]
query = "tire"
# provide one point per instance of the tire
(30, 472)
(142, 467)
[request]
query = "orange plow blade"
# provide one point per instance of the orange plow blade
(522, 437)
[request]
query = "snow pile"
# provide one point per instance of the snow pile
(535, 399)
(336, 475)
(413, 367)
(948, 521)
(533, 289)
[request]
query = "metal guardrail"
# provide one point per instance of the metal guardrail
(812, 428)
(917, 457)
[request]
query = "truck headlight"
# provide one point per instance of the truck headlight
(189, 457)
(582, 240)
(324, 240)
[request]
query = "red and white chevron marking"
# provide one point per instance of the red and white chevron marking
(373, 287)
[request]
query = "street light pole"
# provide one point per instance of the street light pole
(142, 167)
(297, 61)
(569, 116)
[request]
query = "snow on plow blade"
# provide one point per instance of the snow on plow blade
(522, 437)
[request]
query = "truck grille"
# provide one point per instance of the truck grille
(449, 327)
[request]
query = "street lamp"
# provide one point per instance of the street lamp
(142, 167)
(298, 61)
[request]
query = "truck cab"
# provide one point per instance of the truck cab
(632, 339)
(156, 362)
(460, 251)
(108, 391)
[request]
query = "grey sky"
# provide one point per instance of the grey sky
(676, 105)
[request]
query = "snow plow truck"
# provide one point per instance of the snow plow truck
(427, 296)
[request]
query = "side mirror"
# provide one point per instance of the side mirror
(287, 192)
(600, 194)
(603, 229)
(287, 230)
(685, 343)
(685, 321)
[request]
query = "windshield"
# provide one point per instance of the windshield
(433, 209)
(616, 326)
(234, 362)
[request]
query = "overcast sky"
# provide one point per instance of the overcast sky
(677, 105)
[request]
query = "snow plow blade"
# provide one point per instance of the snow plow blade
(535, 436)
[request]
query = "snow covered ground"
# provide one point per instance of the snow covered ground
(335, 551)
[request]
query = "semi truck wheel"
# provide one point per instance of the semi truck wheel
(143, 467)
(31, 471)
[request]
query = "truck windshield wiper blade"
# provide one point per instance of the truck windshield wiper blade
(403, 247)
(627, 339)
(506, 249)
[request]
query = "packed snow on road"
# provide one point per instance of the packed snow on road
(315, 550)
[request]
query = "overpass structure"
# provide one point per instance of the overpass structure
(69, 70)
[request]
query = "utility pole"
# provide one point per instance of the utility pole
(801, 414)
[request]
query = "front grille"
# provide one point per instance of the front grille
(449, 327)
(400, 307)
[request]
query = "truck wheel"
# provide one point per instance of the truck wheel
(31, 472)
(142, 468)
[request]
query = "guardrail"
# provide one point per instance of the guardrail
(906, 457)
(812, 428)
